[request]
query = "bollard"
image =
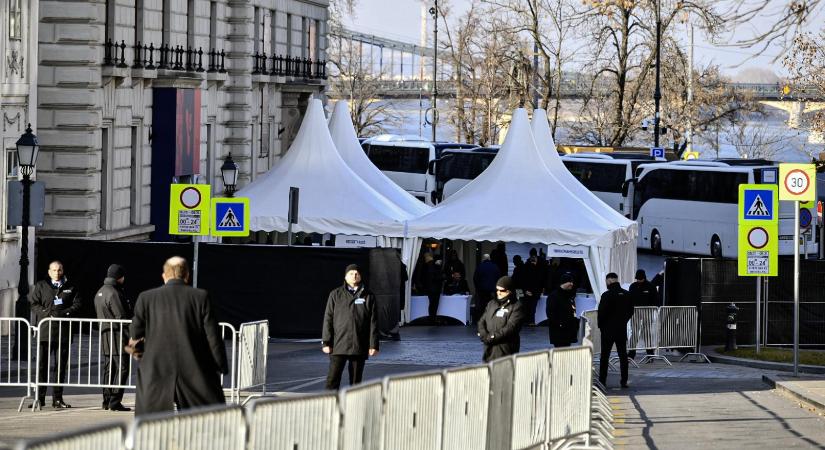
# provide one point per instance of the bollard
(730, 343)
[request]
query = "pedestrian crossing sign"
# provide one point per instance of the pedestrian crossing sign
(758, 204)
(230, 216)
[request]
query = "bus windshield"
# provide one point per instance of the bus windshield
(399, 159)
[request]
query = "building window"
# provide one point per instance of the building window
(289, 35)
(136, 184)
(139, 21)
(12, 171)
(256, 32)
(109, 28)
(210, 156)
(213, 25)
(166, 23)
(105, 179)
(190, 24)
(313, 40)
(304, 37)
(266, 33)
(15, 20)
(273, 31)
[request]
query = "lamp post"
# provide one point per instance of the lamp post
(434, 13)
(27, 148)
(229, 174)
(657, 94)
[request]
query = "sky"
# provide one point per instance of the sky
(401, 20)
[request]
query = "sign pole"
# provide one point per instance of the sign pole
(796, 289)
(758, 312)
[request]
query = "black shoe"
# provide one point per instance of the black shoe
(119, 407)
(105, 405)
(60, 404)
(625, 386)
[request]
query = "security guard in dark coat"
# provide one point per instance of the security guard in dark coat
(182, 354)
(501, 323)
(561, 313)
(643, 293)
(111, 303)
(57, 297)
(350, 329)
(615, 310)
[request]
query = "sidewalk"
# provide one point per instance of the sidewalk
(806, 389)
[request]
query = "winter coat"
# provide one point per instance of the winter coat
(644, 293)
(46, 301)
(350, 322)
(615, 310)
(111, 303)
(456, 287)
(430, 279)
(499, 328)
(486, 276)
(561, 314)
(184, 354)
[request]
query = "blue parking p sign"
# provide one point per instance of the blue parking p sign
(758, 205)
(657, 152)
(230, 216)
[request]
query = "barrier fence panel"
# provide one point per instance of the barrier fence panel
(466, 402)
(679, 329)
(16, 354)
(107, 437)
(500, 411)
(79, 352)
(253, 344)
(361, 411)
(228, 381)
(592, 317)
(643, 328)
(308, 422)
(531, 383)
(570, 392)
(413, 405)
(212, 428)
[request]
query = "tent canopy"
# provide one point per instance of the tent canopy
(343, 135)
(333, 198)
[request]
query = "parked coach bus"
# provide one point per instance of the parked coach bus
(458, 167)
(409, 163)
(691, 206)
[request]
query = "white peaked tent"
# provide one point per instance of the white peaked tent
(518, 199)
(547, 149)
(343, 135)
(333, 199)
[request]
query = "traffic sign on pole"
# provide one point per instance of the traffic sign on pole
(189, 209)
(758, 230)
(230, 216)
(797, 182)
(657, 152)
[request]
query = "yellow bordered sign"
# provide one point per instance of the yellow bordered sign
(758, 214)
(189, 207)
(230, 216)
(797, 182)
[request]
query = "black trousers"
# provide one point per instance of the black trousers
(432, 309)
(529, 308)
(115, 371)
(608, 340)
(355, 368)
(59, 357)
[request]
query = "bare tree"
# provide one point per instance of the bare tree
(806, 64)
(756, 140)
(787, 21)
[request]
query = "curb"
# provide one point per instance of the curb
(789, 390)
(766, 365)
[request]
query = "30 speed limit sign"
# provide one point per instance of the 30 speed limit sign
(797, 182)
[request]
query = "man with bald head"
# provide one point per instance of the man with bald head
(176, 338)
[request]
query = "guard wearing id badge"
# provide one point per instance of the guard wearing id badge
(350, 330)
(501, 323)
(56, 297)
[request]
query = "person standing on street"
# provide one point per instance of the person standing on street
(59, 298)
(431, 282)
(561, 313)
(111, 304)
(643, 293)
(176, 338)
(532, 284)
(484, 280)
(500, 325)
(350, 330)
(615, 310)
(499, 258)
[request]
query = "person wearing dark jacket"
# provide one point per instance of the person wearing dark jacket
(111, 304)
(176, 337)
(453, 264)
(350, 330)
(643, 293)
(615, 310)
(561, 313)
(499, 258)
(500, 325)
(456, 285)
(59, 298)
(431, 283)
(532, 285)
(484, 280)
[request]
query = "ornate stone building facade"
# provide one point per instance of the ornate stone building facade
(18, 106)
(136, 94)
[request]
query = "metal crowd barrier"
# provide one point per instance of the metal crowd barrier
(211, 428)
(413, 411)
(16, 355)
(466, 403)
(645, 332)
(105, 437)
(308, 422)
(500, 412)
(229, 382)
(570, 393)
(679, 329)
(531, 383)
(362, 408)
(252, 353)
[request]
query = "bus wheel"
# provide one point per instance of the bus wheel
(656, 242)
(715, 247)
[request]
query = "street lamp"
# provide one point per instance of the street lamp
(434, 12)
(229, 174)
(27, 148)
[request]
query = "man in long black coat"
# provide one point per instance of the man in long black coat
(561, 313)
(501, 323)
(350, 330)
(615, 310)
(56, 297)
(111, 304)
(183, 354)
